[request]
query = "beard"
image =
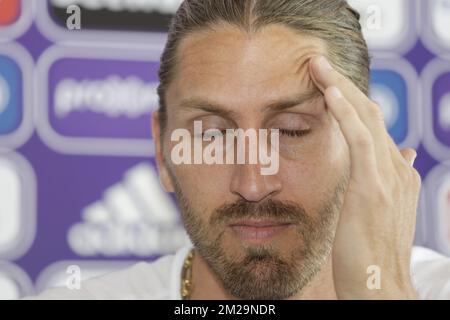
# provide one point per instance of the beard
(263, 272)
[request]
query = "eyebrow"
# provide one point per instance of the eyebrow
(276, 106)
(207, 106)
(302, 98)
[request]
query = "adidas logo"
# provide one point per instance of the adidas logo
(134, 218)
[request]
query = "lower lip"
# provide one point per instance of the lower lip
(258, 234)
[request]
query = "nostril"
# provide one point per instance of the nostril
(248, 183)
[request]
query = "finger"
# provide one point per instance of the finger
(324, 76)
(409, 155)
(369, 112)
(358, 137)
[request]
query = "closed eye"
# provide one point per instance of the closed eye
(294, 133)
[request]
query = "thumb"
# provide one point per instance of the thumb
(409, 155)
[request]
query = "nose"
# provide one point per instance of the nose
(248, 183)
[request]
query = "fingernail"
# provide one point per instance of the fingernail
(335, 92)
(324, 65)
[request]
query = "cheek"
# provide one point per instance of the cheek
(203, 186)
(317, 167)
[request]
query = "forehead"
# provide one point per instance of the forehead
(235, 68)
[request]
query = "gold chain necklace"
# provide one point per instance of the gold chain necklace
(186, 276)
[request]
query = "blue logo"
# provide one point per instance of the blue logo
(11, 96)
(389, 90)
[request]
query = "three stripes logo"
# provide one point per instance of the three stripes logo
(134, 218)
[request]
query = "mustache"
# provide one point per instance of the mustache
(283, 211)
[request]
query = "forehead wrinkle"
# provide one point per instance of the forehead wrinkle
(201, 57)
(302, 70)
(215, 40)
(194, 104)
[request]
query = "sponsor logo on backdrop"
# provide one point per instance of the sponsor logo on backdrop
(9, 289)
(113, 96)
(436, 25)
(15, 96)
(97, 103)
(437, 186)
(9, 11)
(387, 25)
(17, 205)
(444, 112)
(109, 20)
(135, 217)
(4, 94)
(435, 83)
(394, 87)
(388, 102)
(14, 282)
(15, 17)
(11, 95)
(144, 6)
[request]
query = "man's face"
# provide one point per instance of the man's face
(233, 80)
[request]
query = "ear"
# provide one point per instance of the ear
(164, 176)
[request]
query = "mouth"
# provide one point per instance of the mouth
(258, 231)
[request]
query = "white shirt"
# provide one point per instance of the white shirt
(160, 280)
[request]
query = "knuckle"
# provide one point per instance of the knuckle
(364, 140)
(375, 111)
